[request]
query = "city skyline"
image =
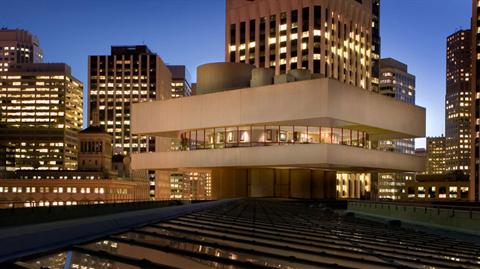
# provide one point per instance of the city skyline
(425, 57)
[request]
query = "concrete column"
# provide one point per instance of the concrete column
(261, 182)
(300, 183)
(229, 183)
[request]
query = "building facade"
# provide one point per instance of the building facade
(436, 155)
(440, 187)
(458, 100)
(397, 83)
(376, 45)
(314, 141)
(181, 81)
(51, 192)
(93, 182)
(330, 38)
(18, 46)
(40, 115)
(128, 75)
(475, 121)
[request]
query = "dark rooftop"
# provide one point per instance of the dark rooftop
(93, 129)
(259, 233)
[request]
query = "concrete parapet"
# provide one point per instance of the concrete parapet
(458, 219)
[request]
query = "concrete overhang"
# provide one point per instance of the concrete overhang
(319, 102)
(322, 156)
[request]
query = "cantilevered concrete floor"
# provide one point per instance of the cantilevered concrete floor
(264, 234)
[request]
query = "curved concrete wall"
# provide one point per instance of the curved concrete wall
(320, 102)
(215, 77)
(262, 77)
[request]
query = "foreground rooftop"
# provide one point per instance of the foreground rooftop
(261, 233)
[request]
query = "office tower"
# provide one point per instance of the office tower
(18, 46)
(128, 75)
(308, 138)
(40, 115)
(458, 100)
(181, 81)
(376, 45)
(331, 38)
(395, 82)
(435, 155)
(475, 95)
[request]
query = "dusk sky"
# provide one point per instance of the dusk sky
(191, 32)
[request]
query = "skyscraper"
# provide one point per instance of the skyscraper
(376, 45)
(458, 100)
(475, 95)
(18, 46)
(128, 75)
(330, 39)
(435, 155)
(40, 115)
(395, 82)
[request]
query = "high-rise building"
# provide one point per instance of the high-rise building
(331, 38)
(181, 81)
(395, 82)
(435, 155)
(475, 95)
(128, 75)
(40, 115)
(458, 100)
(376, 45)
(18, 46)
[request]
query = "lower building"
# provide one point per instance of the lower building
(436, 157)
(296, 137)
(93, 182)
(69, 191)
(191, 185)
(439, 187)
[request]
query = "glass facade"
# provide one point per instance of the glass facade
(263, 135)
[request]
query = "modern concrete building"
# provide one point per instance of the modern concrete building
(18, 46)
(181, 81)
(331, 38)
(309, 138)
(458, 102)
(40, 115)
(128, 75)
(435, 155)
(395, 82)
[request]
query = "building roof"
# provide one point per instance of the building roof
(259, 233)
(93, 129)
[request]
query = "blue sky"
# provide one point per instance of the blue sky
(191, 32)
